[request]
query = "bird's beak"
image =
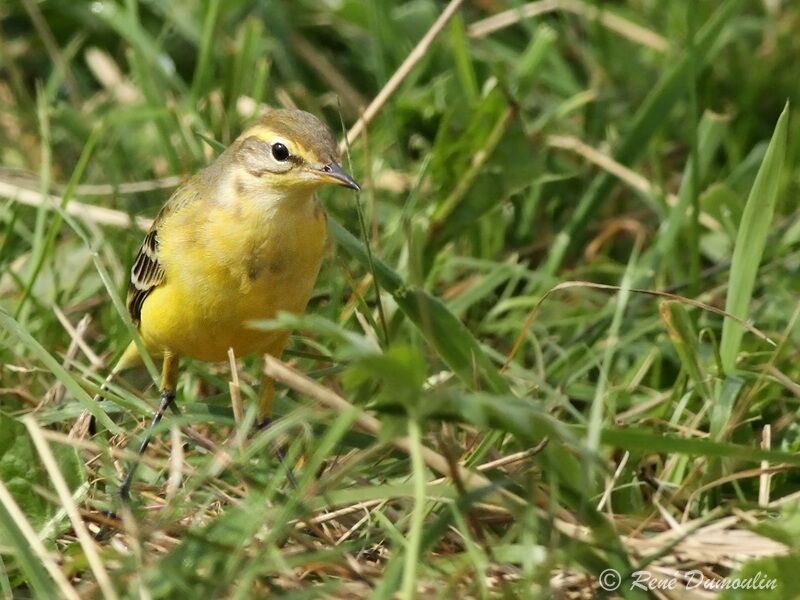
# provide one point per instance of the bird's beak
(333, 173)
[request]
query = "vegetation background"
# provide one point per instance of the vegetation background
(483, 400)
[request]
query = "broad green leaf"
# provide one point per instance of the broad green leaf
(22, 472)
(35, 574)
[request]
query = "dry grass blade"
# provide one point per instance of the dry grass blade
(766, 474)
(402, 72)
(59, 483)
(628, 29)
(36, 544)
(87, 212)
(129, 187)
(623, 173)
(760, 472)
(352, 100)
(602, 286)
(612, 481)
(94, 447)
(76, 335)
(110, 76)
(175, 463)
(719, 542)
(280, 371)
(30, 181)
(488, 466)
(56, 393)
(235, 389)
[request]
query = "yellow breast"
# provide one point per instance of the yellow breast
(227, 265)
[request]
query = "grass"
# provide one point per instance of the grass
(554, 335)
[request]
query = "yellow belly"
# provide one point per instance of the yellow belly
(224, 270)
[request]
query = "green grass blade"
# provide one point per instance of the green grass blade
(116, 300)
(451, 339)
(751, 240)
(413, 556)
(639, 440)
(205, 60)
(709, 137)
(5, 583)
(650, 117)
(35, 573)
(49, 238)
(684, 340)
(459, 46)
(38, 242)
(724, 402)
(602, 401)
(10, 325)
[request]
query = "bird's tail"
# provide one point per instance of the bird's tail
(85, 423)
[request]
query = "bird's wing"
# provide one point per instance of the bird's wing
(147, 272)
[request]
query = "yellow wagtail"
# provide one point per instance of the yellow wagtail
(240, 241)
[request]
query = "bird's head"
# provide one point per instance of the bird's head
(291, 150)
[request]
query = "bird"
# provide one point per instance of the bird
(242, 240)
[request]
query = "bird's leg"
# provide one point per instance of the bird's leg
(169, 378)
(266, 394)
(265, 397)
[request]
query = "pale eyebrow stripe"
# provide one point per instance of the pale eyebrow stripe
(269, 136)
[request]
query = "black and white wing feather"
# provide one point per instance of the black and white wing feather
(146, 274)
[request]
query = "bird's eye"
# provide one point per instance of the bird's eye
(280, 152)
